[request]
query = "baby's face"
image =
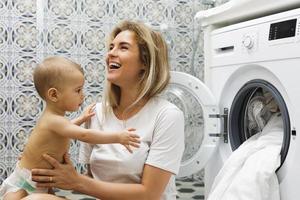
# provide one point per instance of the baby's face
(72, 94)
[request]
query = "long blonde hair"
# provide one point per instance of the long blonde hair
(153, 54)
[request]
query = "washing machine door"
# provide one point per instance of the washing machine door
(202, 125)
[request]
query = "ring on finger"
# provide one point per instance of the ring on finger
(51, 179)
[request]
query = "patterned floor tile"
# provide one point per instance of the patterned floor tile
(187, 190)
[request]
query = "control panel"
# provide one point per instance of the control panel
(283, 29)
(271, 37)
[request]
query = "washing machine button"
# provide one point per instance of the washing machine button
(248, 42)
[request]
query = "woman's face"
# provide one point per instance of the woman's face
(123, 60)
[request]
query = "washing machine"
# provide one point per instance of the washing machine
(242, 60)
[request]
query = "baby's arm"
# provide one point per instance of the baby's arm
(65, 128)
(86, 115)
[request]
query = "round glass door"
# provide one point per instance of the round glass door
(193, 116)
(198, 105)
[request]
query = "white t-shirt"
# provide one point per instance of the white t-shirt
(160, 125)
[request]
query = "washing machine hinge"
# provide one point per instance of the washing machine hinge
(224, 132)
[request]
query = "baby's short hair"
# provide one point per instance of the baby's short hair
(52, 72)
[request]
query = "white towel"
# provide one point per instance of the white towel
(249, 173)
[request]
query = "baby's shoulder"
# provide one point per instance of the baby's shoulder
(51, 122)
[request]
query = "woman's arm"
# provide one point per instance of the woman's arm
(64, 176)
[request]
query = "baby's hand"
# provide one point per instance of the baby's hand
(88, 112)
(128, 138)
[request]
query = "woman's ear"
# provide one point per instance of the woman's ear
(52, 94)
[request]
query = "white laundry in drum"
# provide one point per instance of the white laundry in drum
(249, 173)
(259, 110)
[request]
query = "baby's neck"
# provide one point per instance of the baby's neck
(54, 110)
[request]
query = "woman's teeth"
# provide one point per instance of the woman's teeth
(114, 66)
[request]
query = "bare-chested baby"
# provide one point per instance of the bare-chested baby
(59, 81)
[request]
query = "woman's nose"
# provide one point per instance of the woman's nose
(112, 52)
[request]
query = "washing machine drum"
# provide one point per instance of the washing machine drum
(250, 111)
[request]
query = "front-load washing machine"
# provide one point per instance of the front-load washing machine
(256, 57)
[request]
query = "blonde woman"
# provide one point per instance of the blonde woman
(137, 72)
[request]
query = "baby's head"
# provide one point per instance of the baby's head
(56, 73)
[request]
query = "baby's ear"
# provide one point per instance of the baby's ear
(52, 94)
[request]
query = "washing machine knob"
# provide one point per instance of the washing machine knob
(248, 42)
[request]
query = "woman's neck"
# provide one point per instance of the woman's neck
(126, 109)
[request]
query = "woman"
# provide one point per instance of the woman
(137, 71)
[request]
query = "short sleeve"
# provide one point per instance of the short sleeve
(167, 144)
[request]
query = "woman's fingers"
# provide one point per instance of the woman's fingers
(67, 159)
(42, 172)
(42, 179)
(51, 161)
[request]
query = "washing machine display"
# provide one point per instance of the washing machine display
(283, 29)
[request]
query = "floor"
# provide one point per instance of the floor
(187, 190)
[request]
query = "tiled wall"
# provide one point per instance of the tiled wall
(31, 30)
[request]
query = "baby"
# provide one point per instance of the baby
(59, 82)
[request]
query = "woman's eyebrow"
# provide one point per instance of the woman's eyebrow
(125, 43)
(121, 43)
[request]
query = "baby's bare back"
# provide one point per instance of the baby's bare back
(43, 141)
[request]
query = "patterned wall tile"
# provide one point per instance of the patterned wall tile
(61, 37)
(181, 14)
(24, 35)
(4, 69)
(62, 10)
(155, 12)
(23, 8)
(5, 8)
(5, 35)
(92, 38)
(94, 10)
(94, 67)
(22, 66)
(125, 9)
(26, 105)
(3, 111)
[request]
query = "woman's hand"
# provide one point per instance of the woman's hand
(62, 176)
